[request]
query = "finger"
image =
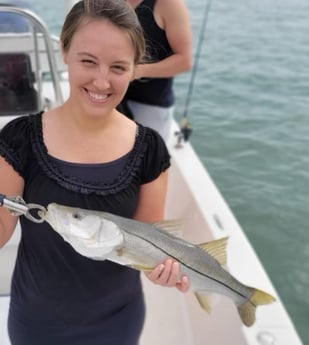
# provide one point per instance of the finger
(174, 274)
(155, 273)
(165, 275)
(184, 284)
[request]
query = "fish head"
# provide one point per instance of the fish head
(72, 221)
(87, 231)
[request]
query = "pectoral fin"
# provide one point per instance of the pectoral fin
(142, 268)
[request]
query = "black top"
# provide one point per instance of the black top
(51, 282)
(155, 91)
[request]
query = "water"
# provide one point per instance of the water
(250, 115)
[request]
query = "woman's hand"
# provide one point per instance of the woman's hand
(168, 274)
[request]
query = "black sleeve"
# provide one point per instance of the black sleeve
(156, 158)
(14, 143)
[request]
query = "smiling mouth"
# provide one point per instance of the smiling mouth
(97, 97)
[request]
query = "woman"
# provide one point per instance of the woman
(84, 154)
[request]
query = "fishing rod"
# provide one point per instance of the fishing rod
(185, 127)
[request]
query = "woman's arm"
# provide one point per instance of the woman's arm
(173, 17)
(152, 198)
(11, 184)
(151, 209)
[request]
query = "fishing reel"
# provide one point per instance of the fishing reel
(184, 133)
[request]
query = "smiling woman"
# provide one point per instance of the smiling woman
(86, 154)
(98, 77)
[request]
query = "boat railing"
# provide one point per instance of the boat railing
(44, 55)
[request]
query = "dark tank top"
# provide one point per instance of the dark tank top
(152, 91)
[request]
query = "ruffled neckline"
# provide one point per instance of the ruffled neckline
(72, 183)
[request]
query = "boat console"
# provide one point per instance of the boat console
(17, 90)
(31, 67)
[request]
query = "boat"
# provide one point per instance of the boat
(172, 317)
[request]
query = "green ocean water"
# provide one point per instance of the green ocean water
(250, 116)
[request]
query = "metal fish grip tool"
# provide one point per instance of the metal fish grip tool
(17, 207)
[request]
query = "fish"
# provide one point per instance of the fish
(141, 246)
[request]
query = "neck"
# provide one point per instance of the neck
(86, 123)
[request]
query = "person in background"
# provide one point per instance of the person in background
(150, 97)
(84, 154)
(13, 22)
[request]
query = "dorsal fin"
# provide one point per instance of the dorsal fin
(172, 226)
(217, 249)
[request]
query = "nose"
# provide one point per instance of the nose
(101, 79)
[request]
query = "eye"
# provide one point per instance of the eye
(88, 62)
(119, 68)
(76, 216)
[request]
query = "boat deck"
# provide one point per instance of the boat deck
(178, 319)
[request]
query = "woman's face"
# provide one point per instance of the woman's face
(100, 63)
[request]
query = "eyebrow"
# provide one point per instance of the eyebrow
(87, 54)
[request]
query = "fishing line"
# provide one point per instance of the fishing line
(184, 124)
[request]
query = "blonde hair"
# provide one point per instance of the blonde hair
(118, 12)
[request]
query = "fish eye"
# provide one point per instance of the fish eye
(76, 215)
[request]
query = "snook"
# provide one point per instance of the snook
(104, 236)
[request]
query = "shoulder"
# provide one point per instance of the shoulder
(152, 138)
(170, 7)
(171, 14)
(18, 126)
(155, 155)
(15, 140)
(20, 123)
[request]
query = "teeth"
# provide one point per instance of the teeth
(97, 96)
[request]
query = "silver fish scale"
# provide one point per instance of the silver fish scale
(146, 245)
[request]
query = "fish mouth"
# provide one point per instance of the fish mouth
(42, 214)
(50, 216)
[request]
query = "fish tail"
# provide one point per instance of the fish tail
(247, 309)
